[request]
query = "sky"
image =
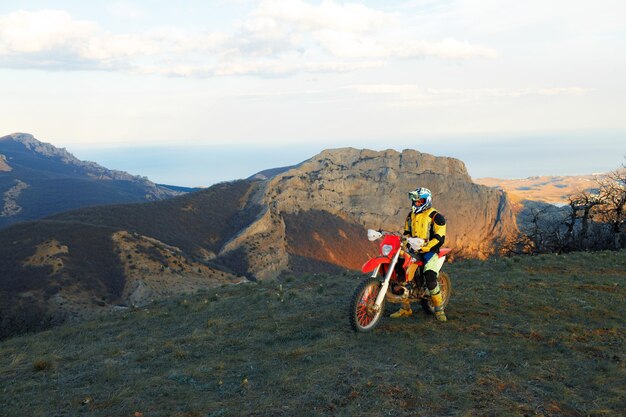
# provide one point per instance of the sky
(195, 92)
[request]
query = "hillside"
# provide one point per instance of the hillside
(82, 262)
(38, 179)
(527, 336)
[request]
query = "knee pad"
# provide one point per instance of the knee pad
(431, 280)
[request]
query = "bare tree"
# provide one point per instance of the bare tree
(581, 205)
(613, 193)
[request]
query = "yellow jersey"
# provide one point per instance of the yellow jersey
(428, 225)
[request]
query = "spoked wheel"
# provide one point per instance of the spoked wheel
(446, 291)
(363, 318)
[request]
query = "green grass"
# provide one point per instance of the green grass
(535, 336)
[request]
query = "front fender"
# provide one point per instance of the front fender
(373, 263)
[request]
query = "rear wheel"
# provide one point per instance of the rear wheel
(446, 291)
(363, 318)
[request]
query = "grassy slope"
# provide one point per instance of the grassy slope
(526, 336)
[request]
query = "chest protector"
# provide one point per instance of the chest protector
(421, 224)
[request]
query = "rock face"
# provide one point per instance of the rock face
(368, 189)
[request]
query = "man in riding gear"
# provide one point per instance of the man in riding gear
(426, 223)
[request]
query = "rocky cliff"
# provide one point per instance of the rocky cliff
(352, 190)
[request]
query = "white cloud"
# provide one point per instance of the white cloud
(350, 31)
(52, 38)
(260, 68)
(346, 45)
(414, 95)
(31, 32)
(278, 38)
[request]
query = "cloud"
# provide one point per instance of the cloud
(349, 31)
(413, 95)
(277, 38)
(260, 68)
(32, 32)
(53, 39)
(346, 45)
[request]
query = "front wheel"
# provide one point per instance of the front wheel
(363, 318)
(446, 291)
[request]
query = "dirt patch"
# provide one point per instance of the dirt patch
(48, 254)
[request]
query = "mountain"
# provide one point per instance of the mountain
(312, 217)
(38, 179)
(546, 189)
(313, 207)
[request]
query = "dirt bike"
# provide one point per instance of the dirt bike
(387, 284)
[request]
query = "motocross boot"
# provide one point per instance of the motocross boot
(437, 300)
(405, 311)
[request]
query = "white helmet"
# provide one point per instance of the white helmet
(421, 198)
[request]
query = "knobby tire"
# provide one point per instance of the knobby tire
(361, 317)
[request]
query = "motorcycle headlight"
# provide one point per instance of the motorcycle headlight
(386, 249)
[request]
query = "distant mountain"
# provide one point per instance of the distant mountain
(546, 189)
(38, 179)
(180, 189)
(270, 173)
(312, 217)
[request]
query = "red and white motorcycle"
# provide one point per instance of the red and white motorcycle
(385, 284)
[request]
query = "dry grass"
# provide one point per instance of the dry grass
(540, 336)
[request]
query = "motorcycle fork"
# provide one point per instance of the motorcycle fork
(385, 285)
(375, 273)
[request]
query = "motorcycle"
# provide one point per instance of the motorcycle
(390, 284)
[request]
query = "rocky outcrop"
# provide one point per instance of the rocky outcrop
(368, 188)
(4, 165)
(10, 206)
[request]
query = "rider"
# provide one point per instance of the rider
(426, 223)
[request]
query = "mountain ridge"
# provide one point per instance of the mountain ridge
(38, 179)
